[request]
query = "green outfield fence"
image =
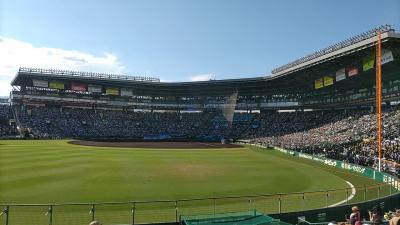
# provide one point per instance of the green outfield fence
(140, 212)
(169, 211)
(239, 218)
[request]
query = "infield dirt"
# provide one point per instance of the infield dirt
(157, 145)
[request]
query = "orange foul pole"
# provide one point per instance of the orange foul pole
(378, 105)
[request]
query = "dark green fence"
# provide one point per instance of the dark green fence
(140, 212)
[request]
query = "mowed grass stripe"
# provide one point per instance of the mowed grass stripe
(116, 174)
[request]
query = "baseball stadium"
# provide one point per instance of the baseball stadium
(303, 145)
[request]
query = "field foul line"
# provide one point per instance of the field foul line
(353, 193)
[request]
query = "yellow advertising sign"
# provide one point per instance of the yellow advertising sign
(368, 63)
(319, 83)
(56, 85)
(328, 80)
(112, 91)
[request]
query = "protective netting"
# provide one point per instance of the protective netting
(198, 209)
(237, 218)
(228, 109)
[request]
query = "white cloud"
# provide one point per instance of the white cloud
(201, 77)
(15, 54)
(166, 80)
(191, 78)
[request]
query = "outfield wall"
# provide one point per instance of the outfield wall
(365, 171)
(337, 213)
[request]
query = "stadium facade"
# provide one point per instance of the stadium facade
(341, 75)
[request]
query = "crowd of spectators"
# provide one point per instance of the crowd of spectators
(6, 129)
(347, 135)
(375, 216)
(56, 122)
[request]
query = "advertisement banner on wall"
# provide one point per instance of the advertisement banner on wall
(318, 83)
(78, 87)
(365, 171)
(368, 63)
(328, 80)
(126, 92)
(352, 71)
(40, 83)
(340, 75)
(112, 91)
(387, 56)
(56, 85)
(94, 88)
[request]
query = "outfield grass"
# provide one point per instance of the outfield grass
(51, 172)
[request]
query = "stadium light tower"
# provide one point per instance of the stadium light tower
(378, 93)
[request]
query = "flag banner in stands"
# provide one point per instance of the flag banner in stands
(56, 85)
(368, 63)
(112, 91)
(340, 75)
(94, 88)
(319, 83)
(126, 92)
(78, 87)
(40, 83)
(328, 80)
(352, 70)
(387, 56)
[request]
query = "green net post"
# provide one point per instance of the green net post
(390, 190)
(249, 204)
(379, 191)
(50, 214)
(176, 211)
(327, 198)
(92, 212)
(215, 203)
(280, 204)
(365, 193)
(133, 212)
(5, 212)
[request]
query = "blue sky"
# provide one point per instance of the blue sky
(180, 40)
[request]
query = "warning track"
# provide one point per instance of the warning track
(157, 145)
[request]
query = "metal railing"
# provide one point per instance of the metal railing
(140, 212)
(56, 72)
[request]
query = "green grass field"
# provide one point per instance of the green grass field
(51, 172)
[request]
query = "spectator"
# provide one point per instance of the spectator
(395, 219)
(355, 215)
(376, 215)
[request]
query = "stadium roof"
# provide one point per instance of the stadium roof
(69, 73)
(360, 40)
